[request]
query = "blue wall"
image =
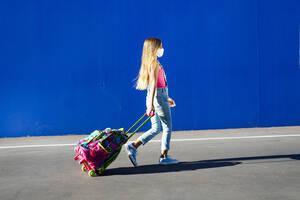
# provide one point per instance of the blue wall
(68, 67)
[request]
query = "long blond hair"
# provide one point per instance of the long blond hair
(151, 45)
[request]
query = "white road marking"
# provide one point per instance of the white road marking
(173, 140)
(42, 145)
(230, 138)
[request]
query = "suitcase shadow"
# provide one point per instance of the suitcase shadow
(182, 166)
(202, 164)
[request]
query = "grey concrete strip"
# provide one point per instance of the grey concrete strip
(70, 139)
(172, 140)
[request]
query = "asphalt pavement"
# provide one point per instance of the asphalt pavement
(254, 164)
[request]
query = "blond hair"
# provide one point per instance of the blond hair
(151, 45)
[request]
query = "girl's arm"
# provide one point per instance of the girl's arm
(153, 75)
(171, 102)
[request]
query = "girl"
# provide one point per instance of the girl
(152, 78)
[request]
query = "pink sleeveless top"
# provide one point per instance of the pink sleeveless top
(161, 79)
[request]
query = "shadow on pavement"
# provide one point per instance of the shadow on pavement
(187, 166)
(182, 166)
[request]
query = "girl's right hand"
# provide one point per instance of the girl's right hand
(150, 109)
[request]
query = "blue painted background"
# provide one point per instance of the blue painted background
(68, 67)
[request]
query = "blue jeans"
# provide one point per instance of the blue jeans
(161, 120)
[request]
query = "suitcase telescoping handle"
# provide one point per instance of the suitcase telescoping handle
(138, 128)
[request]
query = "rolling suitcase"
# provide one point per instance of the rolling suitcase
(98, 150)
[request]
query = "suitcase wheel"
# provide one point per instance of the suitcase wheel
(83, 168)
(100, 170)
(92, 173)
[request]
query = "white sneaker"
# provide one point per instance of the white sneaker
(132, 152)
(167, 161)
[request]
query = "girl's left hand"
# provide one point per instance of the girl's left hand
(171, 102)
